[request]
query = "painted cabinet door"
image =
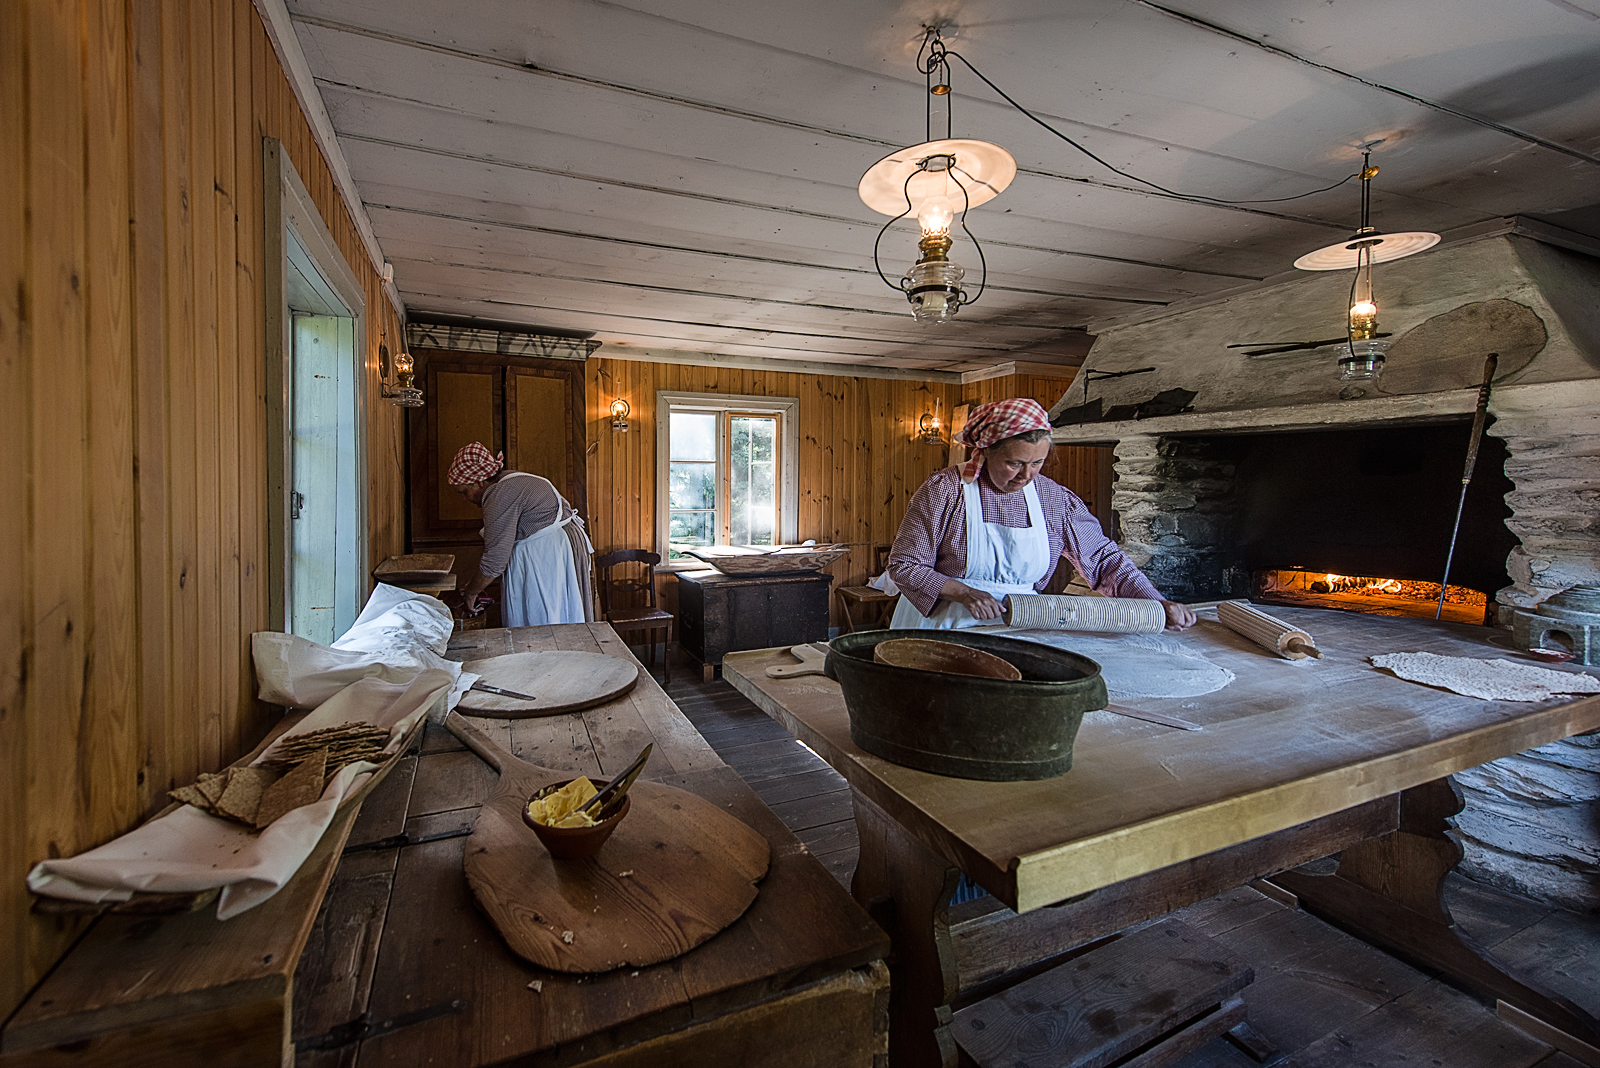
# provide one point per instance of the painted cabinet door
(313, 510)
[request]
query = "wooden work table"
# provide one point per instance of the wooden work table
(1297, 759)
(402, 968)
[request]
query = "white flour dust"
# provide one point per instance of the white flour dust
(1139, 665)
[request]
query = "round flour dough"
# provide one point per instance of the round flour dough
(1139, 665)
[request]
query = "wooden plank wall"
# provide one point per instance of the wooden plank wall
(132, 415)
(860, 461)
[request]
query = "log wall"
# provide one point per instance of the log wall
(133, 417)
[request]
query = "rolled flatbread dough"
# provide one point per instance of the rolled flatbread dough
(1492, 680)
(1139, 665)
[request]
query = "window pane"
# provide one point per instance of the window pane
(692, 485)
(693, 436)
(752, 479)
(689, 528)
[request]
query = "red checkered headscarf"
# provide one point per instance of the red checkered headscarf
(474, 464)
(996, 421)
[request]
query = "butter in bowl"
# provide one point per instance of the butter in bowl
(567, 833)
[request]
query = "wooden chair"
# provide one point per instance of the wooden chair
(854, 599)
(647, 618)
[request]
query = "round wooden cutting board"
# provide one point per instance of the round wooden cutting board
(561, 681)
(677, 870)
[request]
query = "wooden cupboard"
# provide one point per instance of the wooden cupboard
(528, 408)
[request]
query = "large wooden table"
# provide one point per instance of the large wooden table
(403, 969)
(1297, 760)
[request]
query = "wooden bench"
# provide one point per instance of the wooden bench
(1149, 998)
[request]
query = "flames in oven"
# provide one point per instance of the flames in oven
(1376, 595)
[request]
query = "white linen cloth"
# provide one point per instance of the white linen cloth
(188, 850)
(1001, 560)
(398, 634)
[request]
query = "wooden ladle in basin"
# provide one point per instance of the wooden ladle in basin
(927, 654)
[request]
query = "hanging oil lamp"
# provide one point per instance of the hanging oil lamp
(937, 181)
(1364, 347)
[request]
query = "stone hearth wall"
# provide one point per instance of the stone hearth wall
(1532, 821)
(1174, 498)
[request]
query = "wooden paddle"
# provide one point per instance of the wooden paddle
(677, 870)
(552, 682)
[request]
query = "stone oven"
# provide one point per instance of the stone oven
(1282, 483)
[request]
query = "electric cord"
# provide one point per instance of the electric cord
(938, 56)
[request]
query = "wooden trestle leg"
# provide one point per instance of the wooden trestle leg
(1389, 891)
(906, 887)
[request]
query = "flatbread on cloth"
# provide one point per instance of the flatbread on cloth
(188, 849)
(1492, 680)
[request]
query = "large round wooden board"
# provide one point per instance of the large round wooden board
(562, 682)
(677, 870)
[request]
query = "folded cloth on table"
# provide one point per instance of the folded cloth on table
(189, 850)
(884, 584)
(1492, 680)
(397, 634)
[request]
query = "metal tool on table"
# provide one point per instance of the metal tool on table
(1154, 717)
(1479, 418)
(501, 692)
(614, 790)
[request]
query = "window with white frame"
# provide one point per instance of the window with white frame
(726, 471)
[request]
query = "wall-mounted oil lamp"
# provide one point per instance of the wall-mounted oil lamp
(406, 395)
(930, 428)
(619, 415)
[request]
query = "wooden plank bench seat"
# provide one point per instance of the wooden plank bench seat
(1147, 999)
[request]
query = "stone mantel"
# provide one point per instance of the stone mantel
(1410, 408)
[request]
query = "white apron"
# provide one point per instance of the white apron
(1001, 560)
(541, 581)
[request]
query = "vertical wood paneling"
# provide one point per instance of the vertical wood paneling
(113, 794)
(16, 423)
(60, 620)
(132, 348)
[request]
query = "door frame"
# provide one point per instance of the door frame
(287, 204)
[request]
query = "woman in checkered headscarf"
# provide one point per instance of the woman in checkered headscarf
(531, 536)
(975, 534)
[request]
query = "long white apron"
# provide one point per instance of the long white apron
(541, 580)
(1001, 560)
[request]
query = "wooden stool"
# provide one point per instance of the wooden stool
(1149, 998)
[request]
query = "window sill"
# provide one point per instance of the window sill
(683, 565)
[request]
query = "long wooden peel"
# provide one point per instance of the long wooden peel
(1479, 418)
(677, 870)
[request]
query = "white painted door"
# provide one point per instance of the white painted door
(314, 500)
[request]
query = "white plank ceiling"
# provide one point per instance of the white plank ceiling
(681, 174)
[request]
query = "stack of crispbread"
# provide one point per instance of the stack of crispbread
(294, 773)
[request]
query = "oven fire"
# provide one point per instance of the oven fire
(1375, 596)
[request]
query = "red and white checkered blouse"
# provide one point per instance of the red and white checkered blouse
(931, 545)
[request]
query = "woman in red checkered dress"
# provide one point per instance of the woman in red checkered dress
(975, 534)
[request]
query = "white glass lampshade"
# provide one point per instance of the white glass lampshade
(1385, 247)
(982, 169)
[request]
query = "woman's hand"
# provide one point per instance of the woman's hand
(1179, 616)
(982, 605)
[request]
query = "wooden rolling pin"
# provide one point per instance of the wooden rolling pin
(1272, 633)
(1117, 615)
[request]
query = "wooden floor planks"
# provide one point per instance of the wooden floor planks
(1324, 997)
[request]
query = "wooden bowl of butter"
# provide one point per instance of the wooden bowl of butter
(567, 834)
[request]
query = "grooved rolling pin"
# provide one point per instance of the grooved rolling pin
(1272, 633)
(1117, 615)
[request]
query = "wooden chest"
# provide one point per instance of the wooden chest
(720, 613)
